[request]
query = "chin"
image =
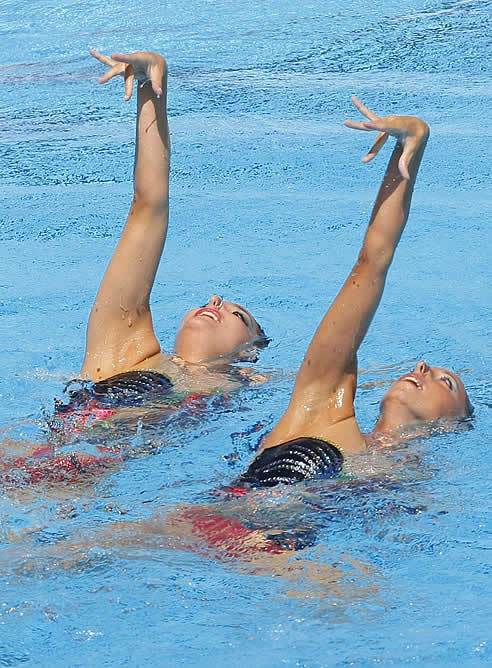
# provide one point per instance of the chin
(397, 393)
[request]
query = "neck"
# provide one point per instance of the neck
(394, 415)
(388, 431)
(219, 364)
(386, 424)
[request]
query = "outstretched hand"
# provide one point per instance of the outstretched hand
(409, 130)
(142, 65)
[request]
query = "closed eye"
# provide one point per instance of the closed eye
(242, 317)
(448, 382)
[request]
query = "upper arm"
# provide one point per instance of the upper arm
(322, 402)
(120, 332)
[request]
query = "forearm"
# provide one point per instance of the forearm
(391, 209)
(152, 153)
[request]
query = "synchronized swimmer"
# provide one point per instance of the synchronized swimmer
(123, 357)
(124, 366)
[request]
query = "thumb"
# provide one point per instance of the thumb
(409, 147)
(129, 77)
(378, 144)
(156, 74)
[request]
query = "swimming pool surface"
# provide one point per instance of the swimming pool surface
(269, 202)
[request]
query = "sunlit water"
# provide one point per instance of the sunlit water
(269, 202)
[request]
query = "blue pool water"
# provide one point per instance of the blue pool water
(269, 202)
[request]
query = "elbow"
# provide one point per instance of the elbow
(144, 209)
(377, 251)
(156, 199)
(376, 259)
(151, 187)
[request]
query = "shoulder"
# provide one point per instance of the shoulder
(161, 363)
(188, 377)
(344, 433)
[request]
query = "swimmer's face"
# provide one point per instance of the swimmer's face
(215, 330)
(426, 394)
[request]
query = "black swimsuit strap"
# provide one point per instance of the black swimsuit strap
(300, 459)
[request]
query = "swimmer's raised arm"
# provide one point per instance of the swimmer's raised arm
(332, 352)
(325, 386)
(120, 332)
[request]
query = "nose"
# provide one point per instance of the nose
(422, 367)
(215, 301)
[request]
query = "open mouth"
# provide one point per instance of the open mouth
(209, 313)
(413, 380)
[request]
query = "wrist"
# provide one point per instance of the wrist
(420, 130)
